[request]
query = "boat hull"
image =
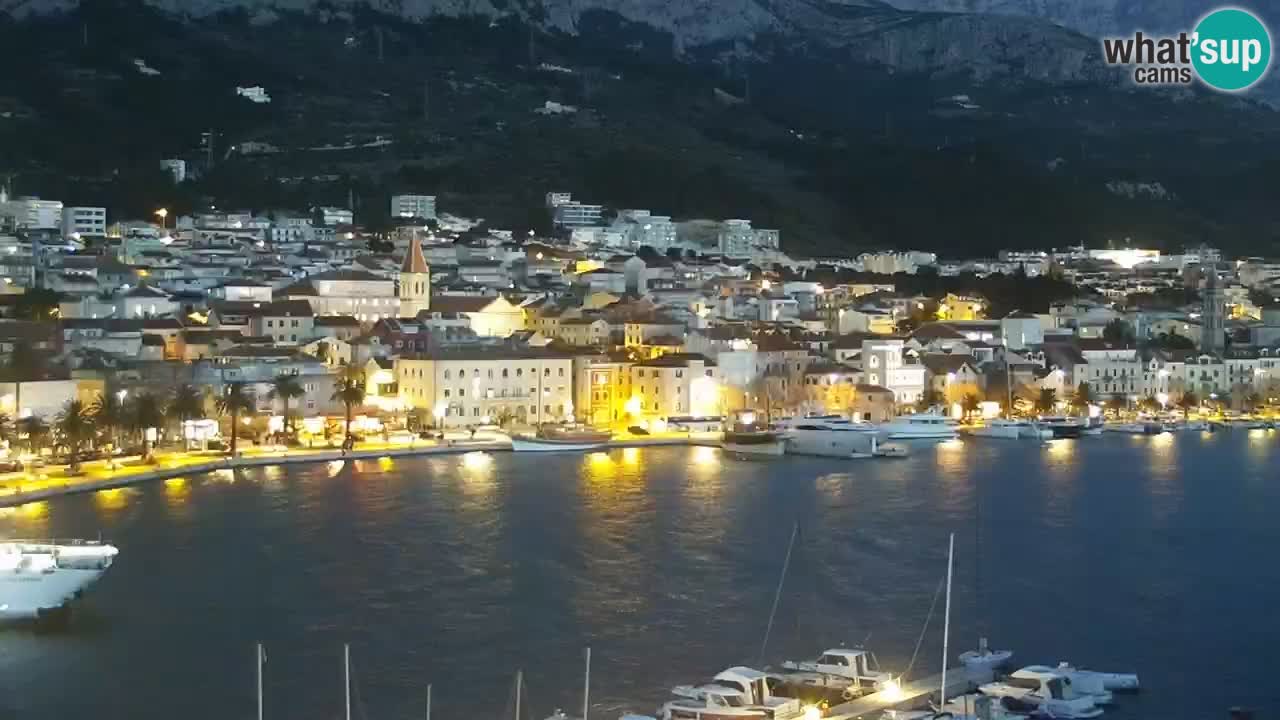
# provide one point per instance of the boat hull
(24, 596)
(771, 449)
(545, 445)
(831, 443)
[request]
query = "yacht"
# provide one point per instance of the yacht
(919, 427)
(41, 578)
(1011, 430)
(1063, 426)
(829, 436)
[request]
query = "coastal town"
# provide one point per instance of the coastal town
(233, 331)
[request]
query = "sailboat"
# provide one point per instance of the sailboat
(984, 660)
(586, 693)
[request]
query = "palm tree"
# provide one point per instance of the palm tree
(971, 405)
(145, 412)
(1252, 401)
(233, 401)
(36, 430)
(1047, 401)
(286, 387)
(108, 414)
(186, 404)
(349, 392)
(1084, 396)
(75, 426)
(1188, 402)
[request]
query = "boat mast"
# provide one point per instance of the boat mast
(346, 679)
(428, 701)
(586, 686)
(519, 687)
(777, 594)
(946, 623)
(260, 659)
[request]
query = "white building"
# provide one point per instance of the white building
(575, 214)
(175, 167)
(333, 216)
(889, 263)
(33, 213)
(736, 239)
(81, 221)
(884, 364)
(413, 206)
(475, 386)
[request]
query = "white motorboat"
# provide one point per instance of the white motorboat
(1011, 430)
(919, 427)
(984, 659)
(709, 702)
(1050, 690)
(39, 578)
(829, 436)
(853, 669)
(974, 706)
(1095, 683)
(758, 688)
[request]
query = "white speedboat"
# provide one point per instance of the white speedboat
(40, 578)
(1093, 682)
(758, 688)
(919, 427)
(829, 436)
(1049, 690)
(1011, 430)
(709, 702)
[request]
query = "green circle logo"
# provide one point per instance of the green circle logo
(1232, 49)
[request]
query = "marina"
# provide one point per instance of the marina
(455, 570)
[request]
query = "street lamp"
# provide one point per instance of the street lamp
(162, 213)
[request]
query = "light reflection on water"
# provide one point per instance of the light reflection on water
(458, 569)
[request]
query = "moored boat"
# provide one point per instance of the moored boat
(919, 427)
(829, 436)
(753, 441)
(1062, 426)
(1051, 691)
(561, 439)
(40, 578)
(1011, 430)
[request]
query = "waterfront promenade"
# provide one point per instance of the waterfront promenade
(54, 481)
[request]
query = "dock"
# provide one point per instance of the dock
(913, 695)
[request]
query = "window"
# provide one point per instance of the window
(491, 374)
(475, 373)
(679, 373)
(561, 372)
(519, 372)
(446, 374)
(533, 409)
(462, 393)
(547, 409)
(446, 392)
(546, 372)
(475, 411)
(504, 372)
